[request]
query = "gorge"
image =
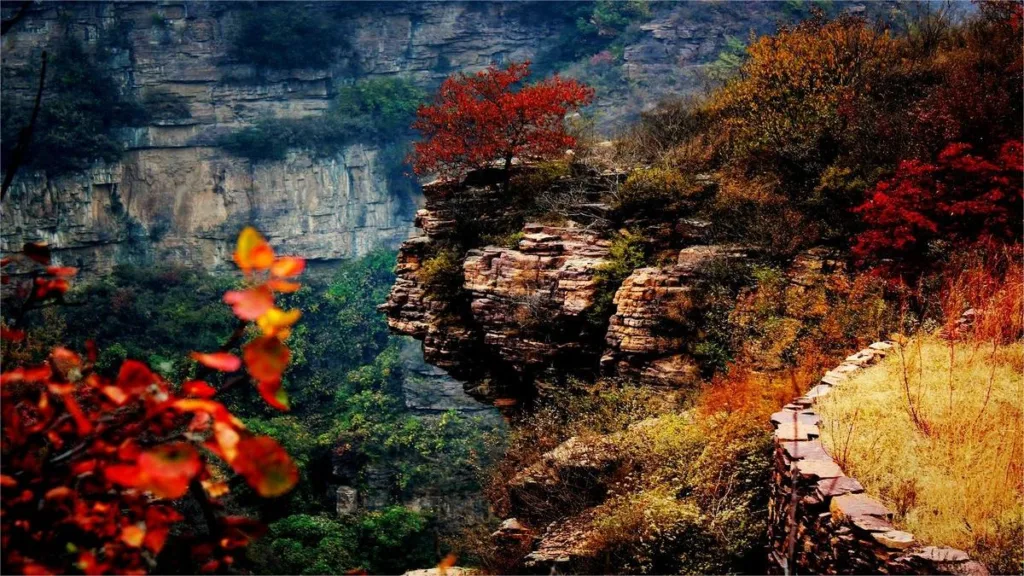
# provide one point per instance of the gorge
(512, 287)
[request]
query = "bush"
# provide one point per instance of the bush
(286, 37)
(928, 209)
(628, 251)
(442, 275)
(655, 191)
(389, 541)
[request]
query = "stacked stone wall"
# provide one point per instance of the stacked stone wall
(820, 519)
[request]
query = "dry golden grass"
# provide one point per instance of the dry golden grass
(936, 433)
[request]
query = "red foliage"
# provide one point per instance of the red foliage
(957, 201)
(92, 466)
(491, 116)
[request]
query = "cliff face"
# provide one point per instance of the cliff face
(175, 195)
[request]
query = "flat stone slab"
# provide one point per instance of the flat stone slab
(833, 487)
(805, 450)
(894, 539)
(853, 505)
(833, 380)
(941, 554)
(796, 431)
(783, 416)
(819, 391)
(818, 468)
(872, 524)
(883, 346)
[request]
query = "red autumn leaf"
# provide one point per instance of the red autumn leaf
(287, 266)
(211, 407)
(50, 288)
(167, 469)
(62, 271)
(199, 389)
(250, 304)
(266, 466)
(37, 251)
(274, 394)
(11, 335)
(65, 359)
(266, 358)
(134, 376)
(222, 361)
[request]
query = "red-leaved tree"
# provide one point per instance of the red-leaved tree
(959, 200)
(492, 117)
(93, 467)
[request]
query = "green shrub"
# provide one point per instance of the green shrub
(286, 36)
(653, 191)
(442, 275)
(629, 251)
(388, 541)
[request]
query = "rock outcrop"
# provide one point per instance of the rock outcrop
(648, 333)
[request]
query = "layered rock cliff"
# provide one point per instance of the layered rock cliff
(175, 195)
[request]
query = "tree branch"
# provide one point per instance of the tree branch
(25, 136)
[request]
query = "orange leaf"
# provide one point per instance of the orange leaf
(116, 395)
(226, 440)
(283, 286)
(223, 361)
(215, 489)
(250, 304)
(7, 481)
(167, 469)
(274, 394)
(287, 266)
(133, 535)
(445, 563)
(277, 322)
(199, 389)
(63, 271)
(253, 252)
(266, 358)
(37, 251)
(266, 466)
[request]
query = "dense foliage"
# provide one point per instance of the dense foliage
(94, 467)
(493, 117)
(83, 108)
(286, 36)
(347, 422)
(827, 115)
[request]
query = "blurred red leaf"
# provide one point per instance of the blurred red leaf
(250, 304)
(222, 361)
(266, 358)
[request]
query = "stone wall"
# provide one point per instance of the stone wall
(820, 520)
